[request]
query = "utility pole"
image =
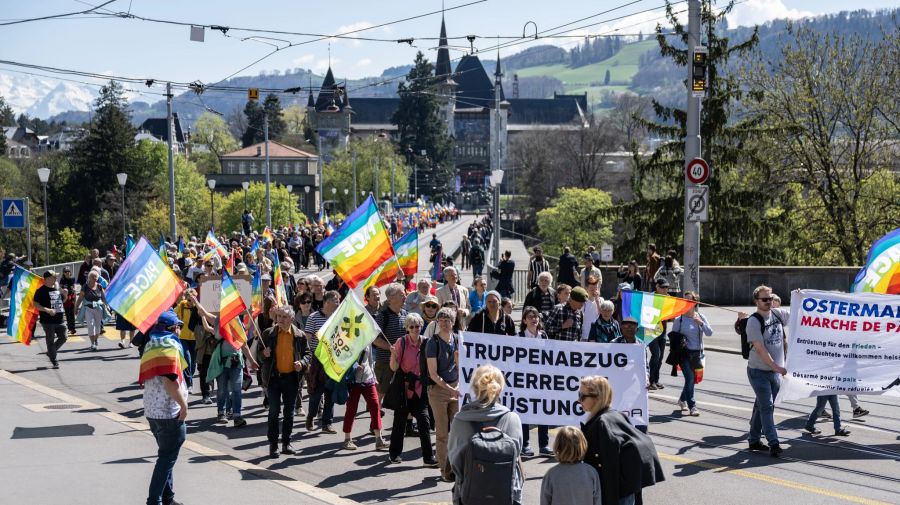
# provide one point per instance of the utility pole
(495, 165)
(170, 123)
(28, 229)
(377, 194)
(392, 181)
(268, 192)
(691, 151)
(320, 183)
(416, 179)
(355, 201)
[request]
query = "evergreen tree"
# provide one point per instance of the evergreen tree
(606, 78)
(739, 230)
(91, 191)
(256, 116)
(7, 118)
(277, 125)
(421, 129)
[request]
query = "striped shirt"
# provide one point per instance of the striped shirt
(316, 320)
(392, 326)
(536, 267)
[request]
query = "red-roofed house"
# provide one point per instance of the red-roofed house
(287, 165)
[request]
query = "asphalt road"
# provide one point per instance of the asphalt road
(704, 457)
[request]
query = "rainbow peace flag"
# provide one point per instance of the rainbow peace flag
(234, 333)
(254, 248)
(359, 246)
(278, 282)
(22, 314)
(385, 274)
(256, 297)
(881, 274)
(406, 248)
(215, 245)
(163, 355)
(230, 306)
(144, 287)
(650, 308)
(267, 235)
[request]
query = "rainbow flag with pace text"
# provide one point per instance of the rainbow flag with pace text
(650, 308)
(143, 287)
(406, 248)
(359, 246)
(22, 314)
(881, 274)
(231, 305)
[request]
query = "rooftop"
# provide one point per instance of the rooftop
(276, 150)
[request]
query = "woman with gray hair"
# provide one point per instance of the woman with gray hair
(605, 329)
(442, 359)
(93, 297)
(492, 320)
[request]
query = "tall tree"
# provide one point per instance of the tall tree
(256, 116)
(420, 127)
(253, 131)
(7, 118)
(739, 231)
(92, 200)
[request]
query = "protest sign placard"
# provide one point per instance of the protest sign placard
(842, 343)
(542, 375)
(210, 290)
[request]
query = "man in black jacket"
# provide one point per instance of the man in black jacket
(285, 354)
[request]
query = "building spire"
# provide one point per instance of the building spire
(498, 75)
(442, 66)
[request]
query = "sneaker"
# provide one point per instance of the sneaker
(309, 424)
(813, 430)
(450, 478)
(221, 418)
(843, 432)
(54, 363)
(652, 387)
(328, 429)
(287, 449)
(859, 412)
(381, 445)
(240, 422)
(775, 450)
(660, 386)
(695, 412)
(546, 451)
(206, 400)
(684, 407)
(299, 411)
(348, 445)
(273, 450)
(173, 502)
(397, 459)
(229, 415)
(430, 463)
(129, 346)
(528, 452)
(825, 415)
(121, 345)
(758, 446)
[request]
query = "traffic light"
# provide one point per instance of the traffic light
(698, 72)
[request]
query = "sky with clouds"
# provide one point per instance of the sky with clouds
(110, 44)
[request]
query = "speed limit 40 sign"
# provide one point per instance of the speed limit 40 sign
(697, 171)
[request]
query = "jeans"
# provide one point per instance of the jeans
(445, 410)
(282, 389)
(70, 317)
(367, 392)
(229, 387)
(204, 367)
(169, 434)
(656, 346)
(415, 406)
(543, 435)
(820, 404)
(52, 330)
(765, 385)
(687, 393)
(190, 355)
(477, 268)
(315, 402)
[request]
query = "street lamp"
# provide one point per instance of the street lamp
(212, 211)
(122, 177)
(246, 186)
(496, 179)
(306, 200)
(290, 189)
(44, 176)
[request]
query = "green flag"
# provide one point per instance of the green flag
(346, 333)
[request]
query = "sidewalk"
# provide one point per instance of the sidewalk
(60, 449)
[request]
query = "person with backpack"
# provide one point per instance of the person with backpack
(406, 359)
(485, 444)
(623, 456)
(765, 349)
(691, 325)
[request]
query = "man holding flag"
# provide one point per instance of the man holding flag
(49, 303)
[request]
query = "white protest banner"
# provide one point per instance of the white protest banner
(842, 343)
(542, 375)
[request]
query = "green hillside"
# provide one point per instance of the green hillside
(589, 78)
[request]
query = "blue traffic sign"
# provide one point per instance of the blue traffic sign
(13, 210)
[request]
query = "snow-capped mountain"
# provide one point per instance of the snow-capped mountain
(44, 97)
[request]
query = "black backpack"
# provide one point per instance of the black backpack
(740, 327)
(490, 459)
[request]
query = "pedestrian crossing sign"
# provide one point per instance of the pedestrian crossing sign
(13, 213)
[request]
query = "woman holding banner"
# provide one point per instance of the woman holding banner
(531, 328)
(625, 458)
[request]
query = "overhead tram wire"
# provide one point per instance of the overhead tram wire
(57, 16)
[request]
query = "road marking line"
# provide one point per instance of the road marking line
(777, 414)
(771, 480)
(136, 425)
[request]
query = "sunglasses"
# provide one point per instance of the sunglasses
(769, 299)
(416, 326)
(582, 396)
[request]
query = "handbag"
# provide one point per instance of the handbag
(395, 397)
